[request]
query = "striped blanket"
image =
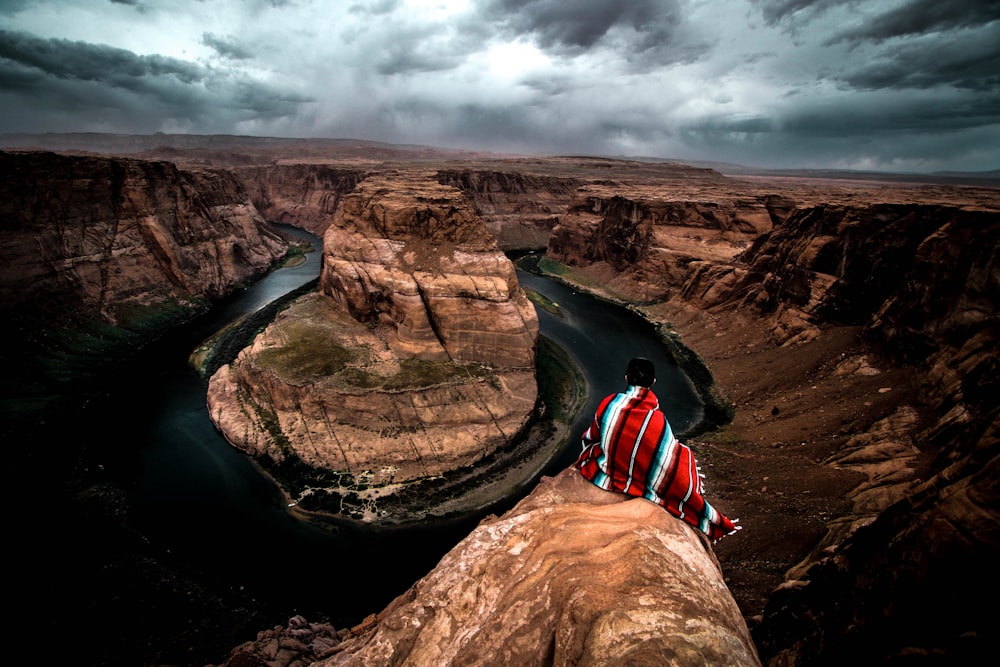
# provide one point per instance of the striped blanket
(630, 448)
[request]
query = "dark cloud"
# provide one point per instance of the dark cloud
(377, 8)
(895, 84)
(227, 46)
(776, 11)
(919, 17)
(571, 27)
(92, 62)
(816, 138)
(14, 6)
(64, 78)
(972, 63)
(417, 51)
(928, 114)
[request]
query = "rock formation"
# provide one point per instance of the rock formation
(929, 301)
(416, 359)
(110, 234)
(890, 490)
(101, 254)
(919, 280)
(643, 243)
(571, 575)
(301, 195)
(520, 208)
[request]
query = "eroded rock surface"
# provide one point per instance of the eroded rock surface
(861, 458)
(411, 255)
(106, 234)
(100, 255)
(414, 360)
(572, 575)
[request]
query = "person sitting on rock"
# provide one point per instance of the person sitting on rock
(630, 448)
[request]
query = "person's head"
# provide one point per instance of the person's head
(640, 372)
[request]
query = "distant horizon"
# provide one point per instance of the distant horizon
(886, 86)
(732, 168)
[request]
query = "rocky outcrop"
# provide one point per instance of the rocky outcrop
(415, 359)
(917, 504)
(571, 575)
(412, 256)
(930, 301)
(843, 264)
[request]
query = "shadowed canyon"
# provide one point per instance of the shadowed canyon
(841, 331)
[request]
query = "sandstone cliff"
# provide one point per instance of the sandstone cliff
(520, 209)
(918, 282)
(930, 300)
(104, 252)
(643, 241)
(109, 234)
(415, 360)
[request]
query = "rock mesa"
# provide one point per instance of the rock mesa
(415, 358)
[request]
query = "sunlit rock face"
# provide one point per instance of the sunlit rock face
(415, 357)
(412, 255)
(573, 575)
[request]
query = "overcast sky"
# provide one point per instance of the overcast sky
(898, 85)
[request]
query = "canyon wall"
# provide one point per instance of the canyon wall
(301, 195)
(106, 234)
(744, 271)
(99, 255)
(643, 240)
(520, 209)
(919, 282)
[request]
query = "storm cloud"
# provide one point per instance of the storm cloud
(897, 85)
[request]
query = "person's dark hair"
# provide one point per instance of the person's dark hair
(640, 372)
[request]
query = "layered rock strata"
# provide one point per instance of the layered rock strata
(301, 195)
(914, 472)
(100, 255)
(644, 243)
(412, 256)
(520, 209)
(918, 283)
(416, 357)
(107, 234)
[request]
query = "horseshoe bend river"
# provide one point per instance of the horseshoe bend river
(192, 495)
